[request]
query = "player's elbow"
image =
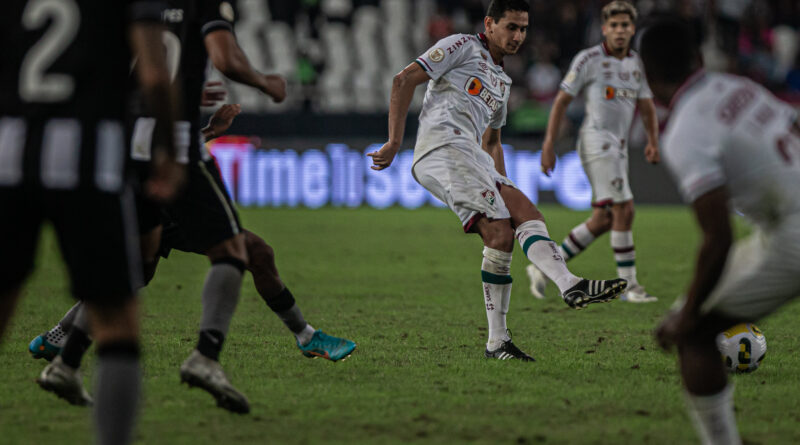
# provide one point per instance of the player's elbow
(400, 80)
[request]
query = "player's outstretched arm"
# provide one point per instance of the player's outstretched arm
(647, 108)
(403, 86)
(230, 60)
(492, 145)
(560, 105)
(711, 211)
(154, 81)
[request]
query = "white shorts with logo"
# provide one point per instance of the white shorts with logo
(469, 184)
(761, 274)
(605, 162)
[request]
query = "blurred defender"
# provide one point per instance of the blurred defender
(614, 82)
(203, 220)
(729, 144)
(62, 158)
(459, 158)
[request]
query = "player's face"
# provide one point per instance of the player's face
(618, 31)
(509, 32)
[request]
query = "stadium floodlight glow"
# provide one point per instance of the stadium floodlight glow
(340, 176)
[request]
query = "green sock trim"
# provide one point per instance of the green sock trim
(566, 250)
(491, 278)
(531, 240)
(625, 263)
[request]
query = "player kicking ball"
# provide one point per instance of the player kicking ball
(612, 79)
(458, 158)
(729, 144)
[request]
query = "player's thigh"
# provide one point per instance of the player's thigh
(759, 277)
(99, 240)
(519, 206)
(204, 215)
(608, 176)
(467, 186)
(20, 224)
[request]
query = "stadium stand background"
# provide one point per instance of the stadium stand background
(339, 57)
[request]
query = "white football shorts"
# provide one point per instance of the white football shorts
(761, 274)
(606, 165)
(468, 183)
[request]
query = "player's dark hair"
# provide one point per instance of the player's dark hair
(497, 8)
(669, 50)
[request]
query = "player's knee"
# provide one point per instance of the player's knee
(234, 248)
(499, 237)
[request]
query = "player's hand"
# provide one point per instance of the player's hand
(275, 87)
(167, 178)
(383, 158)
(675, 327)
(213, 93)
(652, 154)
(548, 158)
(222, 119)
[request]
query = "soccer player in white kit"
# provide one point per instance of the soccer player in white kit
(730, 144)
(459, 158)
(613, 82)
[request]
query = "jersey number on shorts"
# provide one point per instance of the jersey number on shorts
(35, 85)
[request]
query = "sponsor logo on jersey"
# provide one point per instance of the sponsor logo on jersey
(474, 87)
(226, 11)
(606, 64)
(503, 88)
(488, 195)
(484, 67)
(436, 55)
(612, 93)
(459, 44)
(624, 76)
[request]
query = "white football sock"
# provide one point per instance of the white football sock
(304, 336)
(714, 418)
(496, 277)
(545, 254)
(625, 256)
(577, 241)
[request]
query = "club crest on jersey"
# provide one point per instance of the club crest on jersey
(637, 75)
(624, 76)
(474, 87)
(617, 183)
(488, 195)
(436, 55)
(606, 64)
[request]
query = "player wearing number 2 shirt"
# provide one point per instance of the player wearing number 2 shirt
(459, 158)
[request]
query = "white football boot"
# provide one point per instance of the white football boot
(538, 281)
(199, 370)
(65, 382)
(637, 294)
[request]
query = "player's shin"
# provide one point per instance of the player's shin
(220, 297)
(625, 256)
(544, 253)
(496, 277)
(117, 386)
(576, 241)
(286, 309)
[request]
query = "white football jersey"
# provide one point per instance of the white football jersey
(612, 87)
(726, 130)
(467, 93)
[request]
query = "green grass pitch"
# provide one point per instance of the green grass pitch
(405, 285)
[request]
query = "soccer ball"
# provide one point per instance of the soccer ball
(743, 347)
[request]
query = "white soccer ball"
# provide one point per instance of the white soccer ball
(743, 347)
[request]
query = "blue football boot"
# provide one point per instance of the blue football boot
(327, 346)
(41, 348)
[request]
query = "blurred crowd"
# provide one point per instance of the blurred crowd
(340, 55)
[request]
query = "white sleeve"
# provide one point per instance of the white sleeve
(693, 158)
(445, 55)
(577, 76)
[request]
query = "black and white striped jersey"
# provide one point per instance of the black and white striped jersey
(64, 71)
